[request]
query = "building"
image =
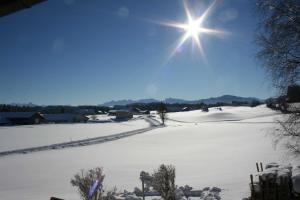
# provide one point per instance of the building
(65, 118)
(20, 118)
(112, 112)
(123, 115)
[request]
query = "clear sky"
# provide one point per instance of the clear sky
(92, 51)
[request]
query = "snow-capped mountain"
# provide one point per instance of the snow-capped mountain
(213, 100)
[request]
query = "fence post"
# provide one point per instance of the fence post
(143, 188)
(276, 190)
(252, 187)
(261, 167)
(262, 185)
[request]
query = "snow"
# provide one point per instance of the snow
(227, 113)
(281, 172)
(101, 118)
(107, 118)
(277, 171)
(17, 137)
(220, 153)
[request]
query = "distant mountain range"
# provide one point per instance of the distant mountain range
(213, 100)
(128, 101)
(23, 104)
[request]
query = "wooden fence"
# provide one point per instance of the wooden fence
(271, 186)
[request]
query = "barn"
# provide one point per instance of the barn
(123, 115)
(64, 118)
(20, 118)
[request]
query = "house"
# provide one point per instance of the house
(112, 112)
(20, 118)
(65, 118)
(123, 115)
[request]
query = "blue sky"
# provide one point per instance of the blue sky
(88, 52)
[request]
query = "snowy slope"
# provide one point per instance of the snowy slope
(220, 154)
(227, 113)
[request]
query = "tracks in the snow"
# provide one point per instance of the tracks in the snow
(84, 142)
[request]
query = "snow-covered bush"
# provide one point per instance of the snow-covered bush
(147, 180)
(84, 181)
(186, 191)
(164, 181)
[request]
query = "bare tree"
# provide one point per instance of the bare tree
(162, 112)
(84, 181)
(289, 133)
(164, 181)
(279, 41)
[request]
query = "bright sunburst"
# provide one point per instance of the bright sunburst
(193, 28)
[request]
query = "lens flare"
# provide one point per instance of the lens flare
(193, 28)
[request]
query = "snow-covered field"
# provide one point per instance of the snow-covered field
(218, 148)
(226, 113)
(18, 137)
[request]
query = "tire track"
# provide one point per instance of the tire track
(84, 142)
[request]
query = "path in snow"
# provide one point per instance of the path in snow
(84, 142)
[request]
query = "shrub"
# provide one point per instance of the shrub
(164, 181)
(84, 181)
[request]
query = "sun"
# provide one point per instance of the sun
(193, 28)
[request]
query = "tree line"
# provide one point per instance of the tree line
(132, 107)
(50, 109)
